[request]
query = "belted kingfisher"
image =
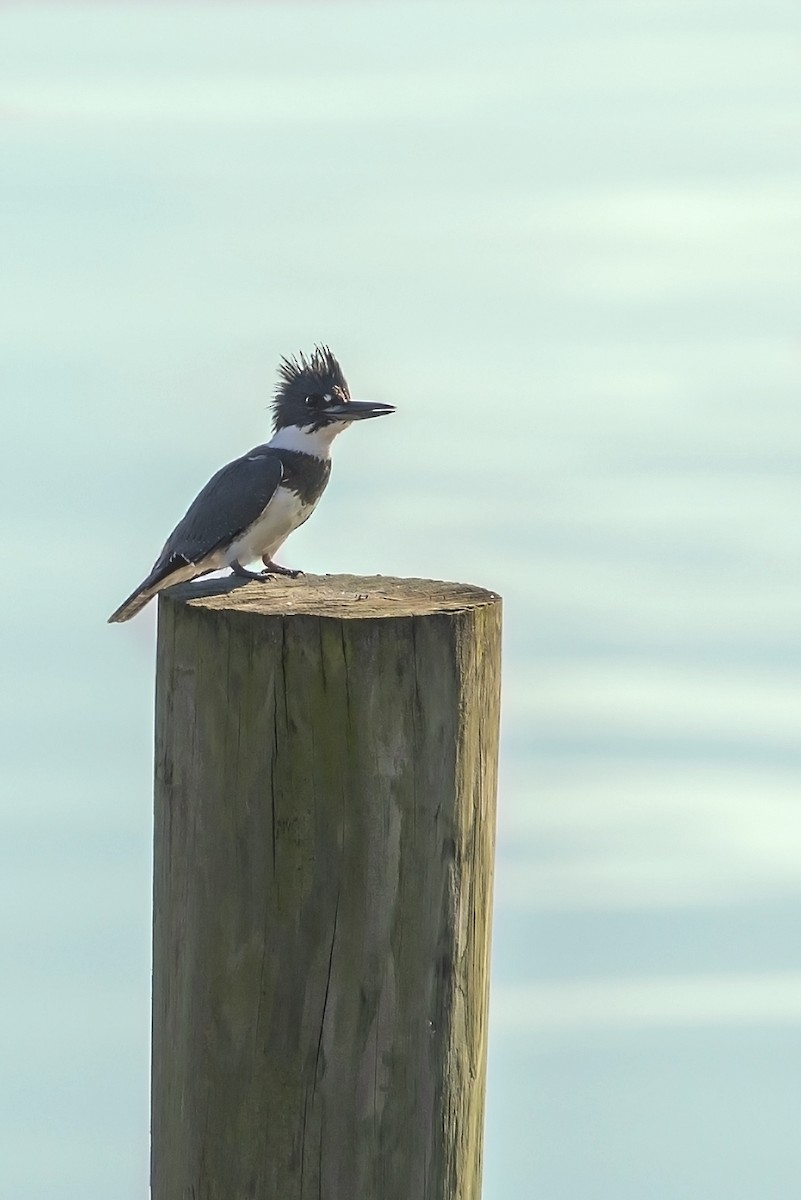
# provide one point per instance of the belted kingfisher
(249, 508)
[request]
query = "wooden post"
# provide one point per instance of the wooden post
(326, 762)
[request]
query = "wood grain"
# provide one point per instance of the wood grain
(326, 765)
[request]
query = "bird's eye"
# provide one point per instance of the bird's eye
(315, 400)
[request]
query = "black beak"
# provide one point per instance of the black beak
(357, 410)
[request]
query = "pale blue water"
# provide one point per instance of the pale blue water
(564, 239)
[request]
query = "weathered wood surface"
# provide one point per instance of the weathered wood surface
(326, 757)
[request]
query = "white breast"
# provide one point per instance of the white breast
(283, 514)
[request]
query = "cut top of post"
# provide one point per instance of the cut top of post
(342, 596)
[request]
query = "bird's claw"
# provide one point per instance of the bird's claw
(274, 569)
(270, 571)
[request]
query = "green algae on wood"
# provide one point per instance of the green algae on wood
(326, 768)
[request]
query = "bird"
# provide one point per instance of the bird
(250, 506)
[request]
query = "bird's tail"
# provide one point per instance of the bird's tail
(139, 597)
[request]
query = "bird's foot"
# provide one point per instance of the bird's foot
(245, 573)
(271, 568)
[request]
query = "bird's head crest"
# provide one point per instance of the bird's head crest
(306, 385)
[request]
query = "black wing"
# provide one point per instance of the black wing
(228, 505)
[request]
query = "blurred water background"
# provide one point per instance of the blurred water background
(563, 237)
